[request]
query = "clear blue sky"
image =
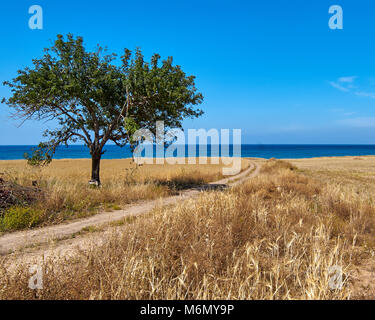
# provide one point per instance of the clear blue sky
(272, 68)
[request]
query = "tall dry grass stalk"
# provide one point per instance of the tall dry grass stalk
(274, 237)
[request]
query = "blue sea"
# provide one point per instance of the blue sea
(247, 150)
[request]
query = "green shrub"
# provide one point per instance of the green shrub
(16, 218)
(40, 157)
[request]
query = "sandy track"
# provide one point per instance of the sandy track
(47, 235)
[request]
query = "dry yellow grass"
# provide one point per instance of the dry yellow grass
(67, 194)
(350, 170)
(348, 184)
(365, 164)
(274, 237)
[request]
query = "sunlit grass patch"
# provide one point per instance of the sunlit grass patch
(65, 193)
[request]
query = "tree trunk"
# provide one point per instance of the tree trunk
(95, 169)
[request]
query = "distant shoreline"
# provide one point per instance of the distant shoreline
(266, 151)
(249, 158)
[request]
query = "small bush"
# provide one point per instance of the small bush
(273, 165)
(16, 218)
(13, 194)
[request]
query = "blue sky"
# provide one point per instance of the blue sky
(272, 68)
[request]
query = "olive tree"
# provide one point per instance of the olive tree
(95, 97)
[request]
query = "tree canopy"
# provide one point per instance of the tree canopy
(96, 98)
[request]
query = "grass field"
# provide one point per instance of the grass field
(276, 236)
(65, 193)
(351, 177)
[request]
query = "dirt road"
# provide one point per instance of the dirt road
(47, 237)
